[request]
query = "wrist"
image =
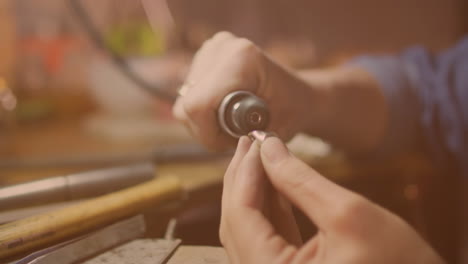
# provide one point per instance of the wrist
(347, 108)
(291, 98)
(318, 103)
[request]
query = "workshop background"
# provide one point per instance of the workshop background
(67, 106)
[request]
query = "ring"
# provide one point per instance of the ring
(184, 88)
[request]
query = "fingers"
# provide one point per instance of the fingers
(249, 188)
(246, 232)
(320, 199)
(282, 218)
(254, 239)
(208, 52)
(242, 148)
(223, 64)
(196, 99)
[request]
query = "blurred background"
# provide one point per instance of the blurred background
(67, 103)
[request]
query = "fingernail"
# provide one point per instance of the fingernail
(259, 136)
(243, 141)
(274, 150)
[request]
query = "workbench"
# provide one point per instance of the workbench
(155, 251)
(407, 185)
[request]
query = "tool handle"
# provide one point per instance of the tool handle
(43, 230)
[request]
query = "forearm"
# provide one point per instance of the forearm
(354, 114)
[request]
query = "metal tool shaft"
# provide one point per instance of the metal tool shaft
(74, 186)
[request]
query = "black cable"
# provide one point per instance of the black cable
(120, 62)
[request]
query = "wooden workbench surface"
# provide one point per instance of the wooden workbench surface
(160, 251)
(385, 182)
(62, 139)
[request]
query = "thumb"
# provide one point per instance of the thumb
(303, 186)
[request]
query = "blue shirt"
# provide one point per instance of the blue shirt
(427, 96)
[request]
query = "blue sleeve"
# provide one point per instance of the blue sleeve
(428, 101)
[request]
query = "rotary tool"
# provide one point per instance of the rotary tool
(241, 112)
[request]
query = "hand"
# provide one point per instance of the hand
(225, 64)
(256, 228)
